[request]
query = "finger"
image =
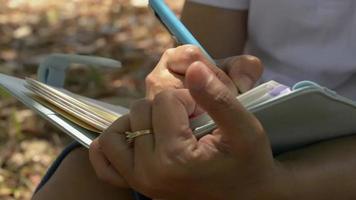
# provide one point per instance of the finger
(209, 92)
(116, 148)
(140, 119)
(103, 168)
(170, 114)
(243, 70)
(179, 59)
(182, 57)
(162, 78)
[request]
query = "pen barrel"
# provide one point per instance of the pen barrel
(177, 29)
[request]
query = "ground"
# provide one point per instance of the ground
(32, 29)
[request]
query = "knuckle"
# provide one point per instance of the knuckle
(191, 52)
(150, 79)
(169, 52)
(251, 60)
(224, 99)
(243, 60)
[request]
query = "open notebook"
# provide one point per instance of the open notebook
(17, 88)
(292, 117)
(97, 118)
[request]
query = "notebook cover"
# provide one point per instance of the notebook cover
(309, 114)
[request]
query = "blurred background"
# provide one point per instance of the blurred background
(30, 30)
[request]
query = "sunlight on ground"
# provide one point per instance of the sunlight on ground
(32, 4)
(32, 29)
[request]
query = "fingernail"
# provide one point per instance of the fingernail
(244, 83)
(202, 76)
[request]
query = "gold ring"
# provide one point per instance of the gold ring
(130, 136)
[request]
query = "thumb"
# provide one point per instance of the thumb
(213, 96)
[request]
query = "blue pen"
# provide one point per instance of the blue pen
(203, 124)
(174, 25)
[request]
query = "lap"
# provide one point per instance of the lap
(72, 177)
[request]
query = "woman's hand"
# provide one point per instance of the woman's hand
(234, 162)
(238, 73)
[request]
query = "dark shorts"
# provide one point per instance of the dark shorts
(57, 163)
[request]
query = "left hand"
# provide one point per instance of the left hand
(234, 162)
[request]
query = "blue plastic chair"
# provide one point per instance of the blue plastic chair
(52, 70)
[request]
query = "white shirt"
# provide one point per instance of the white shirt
(302, 40)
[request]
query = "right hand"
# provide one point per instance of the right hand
(238, 73)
